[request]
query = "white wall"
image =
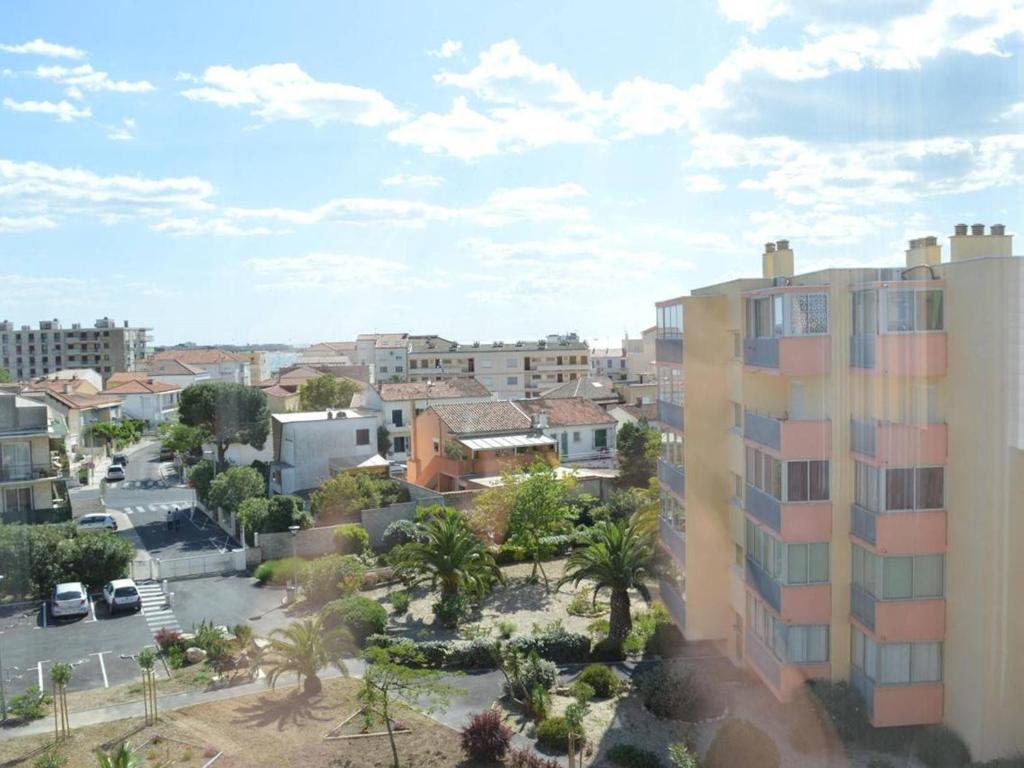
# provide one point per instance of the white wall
(152, 408)
(584, 447)
(310, 446)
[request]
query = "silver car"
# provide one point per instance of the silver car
(69, 599)
(97, 522)
(121, 595)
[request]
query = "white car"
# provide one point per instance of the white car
(115, 472)
(69, 599)
(97, 522)
(122, 595)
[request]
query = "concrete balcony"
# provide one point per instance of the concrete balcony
(790, 438)
(795, 603)
(672, 477)
(789, 355)
(895, 621)
(764, 585)
(803, 521)
(674, 541)
(669, 350)
(23, 473)
(674, 601)
(897, 444)
(670, 414)
(900, 354)
(784, 680)
(900, 533)
(890, 705)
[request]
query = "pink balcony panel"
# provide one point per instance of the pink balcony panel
(805, 439)
(911, 533)
(908, 445)
(805, 355)
(898, 621)
(911, 354)
(918, 704)
(809, 521)
(807, 604)
(783, 680)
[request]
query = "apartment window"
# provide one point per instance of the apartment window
(898, 488)
(898, 577)
(510, 362)
(575, 437)
(399, 369)
(808, 313)
(764, 472)
(487, 381)
(485, 363)
(807, 481)
(396, 417)
(670, 321)
(512, 381)
(413, 364)
(383, 369)
(896, 663)
(791, 644)
(398, 445)
(600, 438)
(807, 563)
(572, 359)
(18, 500)
(362, 437)
(802, 314)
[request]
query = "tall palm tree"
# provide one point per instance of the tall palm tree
(125, 756)
(617, 558)
(305, 648)
(450, 555)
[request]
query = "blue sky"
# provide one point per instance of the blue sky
(303, 171)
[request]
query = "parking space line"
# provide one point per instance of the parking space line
(103, 667)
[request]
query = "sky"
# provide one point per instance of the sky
(305, 171)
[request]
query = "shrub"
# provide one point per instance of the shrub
(538, 702)
(506, 629)
(602, 679)
(400, 602)
(681, 756)
(607, 650)
(509, 554)
(581, 691)
(630, 756)
(739, 742)
(30, 705)
(486, 738)
(285, 511)
(51, 758)
(582, 604)
(332, 576)
(398, 533)
(527, 758)
(280, 573)
(672, 691)
(450, 609)
(842, 708)
(557, 645)
(941, 747)
(351, 539)
(167, 638)
(360, 615)
(211, 640)
(666, 642)
(176, 658)
(553, 733)
(243, 634)
(526, 674)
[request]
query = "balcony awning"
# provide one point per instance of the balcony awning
(507, 441)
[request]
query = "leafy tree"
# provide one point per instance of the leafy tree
(5, 376)
(60, 676)
(638, 447)
(383, 441)
(645, 518)
(181, 438)
(386, 682)
(252, 516)
(305, 648)
(326, 391)
(540, 510)
(347, 494)
(116, 433)
(201, 477)
(233, 486)
(492, 510)
(617, 558)
(284, 512)
(229, 412)
(449, 555)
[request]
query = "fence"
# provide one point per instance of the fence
(192, 566)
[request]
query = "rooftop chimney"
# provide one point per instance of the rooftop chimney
(978, 245)
(924, 250)
(777, 260)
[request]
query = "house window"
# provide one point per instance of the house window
(399, 369)
(896, 663)
(512, 381)
(600, 438)
(398, 445)
(396, 417)
(807, 481)
(413, 364)
(18, 500)
(485, 363)
(764, 472)
(898, 488)
(575, 437)
(898, 577)
(437, 445)
(362, 437)
(510, 362)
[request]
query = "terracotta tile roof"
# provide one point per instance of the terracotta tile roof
(433, 390)
(567, 411)
(299, 374)
(276, 390)
(590, 387)
(141, 387)
(172, 368)
(649, 411)
(123, 377)
(85, 402)
(482, 418)
(77, 386)
(199, 356)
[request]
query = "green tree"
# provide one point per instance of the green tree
(386, 683)
(638, 447)
(540, 510)
(182, 439)
(233, 486)
(617, 558)
(326, 391)
(201, 477)
(449, 555)
(60, 676)
(284, 512)
(347, 494)
(304, 648)
(5, 376)
(252, 516)
(229, 412)
(383, 441)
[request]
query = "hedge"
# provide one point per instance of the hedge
(560, 647)
(362, 617)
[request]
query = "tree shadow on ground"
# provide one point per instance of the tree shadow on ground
(520, 594)
(294, 709)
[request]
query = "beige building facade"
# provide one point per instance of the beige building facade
(106, 347)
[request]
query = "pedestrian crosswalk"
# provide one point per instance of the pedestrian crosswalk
(155, 609)
(130, 484)
(164, 507)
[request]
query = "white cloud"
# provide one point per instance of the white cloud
(40, 47)
(25, 223)
(123, 132)
(754, 13)
(412, 180)
(448, 49)
(703, 182)
(84, 77)
(285, 92)
(334, 272)
(64, 111)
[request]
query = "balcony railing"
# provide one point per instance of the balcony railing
(670, 414)
(862, 606)
(862, 436)
(674, 601)
(669, 350)
(673, 539)
(761, 352)
(863, 523)
(763, 660)
(865, 687)
(766, 586)
(762, 429)
(11, 473)
(764, 507)
(672, 477)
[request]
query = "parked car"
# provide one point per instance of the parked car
(120, 459)
(115, 473)
(97, 522)
(121, 595)
(69, 599)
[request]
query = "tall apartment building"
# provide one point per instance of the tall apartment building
(843, 499)
(28, 480)
(512, 370)
(106, 347)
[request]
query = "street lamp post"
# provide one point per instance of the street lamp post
(294, 531)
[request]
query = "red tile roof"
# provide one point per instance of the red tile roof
(199, 356)
(141, 387)
(567, 411)
(436, 390)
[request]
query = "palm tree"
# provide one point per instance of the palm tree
(305, 648)
(124, 756)
(449, 554)
(617, 558)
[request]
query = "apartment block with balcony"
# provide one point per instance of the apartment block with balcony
(842, 503)
(28, 481)
(106, 347)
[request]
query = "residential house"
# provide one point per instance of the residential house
(850, 469)
(634, 414)
(333, 353)
(454, 442)
(67, 384)
(599, 389)
(27, 474)
(583, 429)
(282, 390)
(218, 364)
(146, 399)
(76, 413)
(390, 356)
(106, 347)
(638, 392)
(608, 361)
(88, 375)
(399, 404)
(174, 372)
(640, 354)
(309, 447)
